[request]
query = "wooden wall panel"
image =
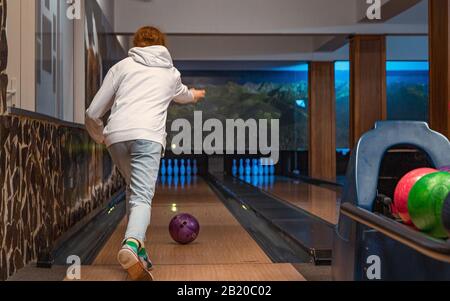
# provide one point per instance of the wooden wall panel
(322, 120)
(367, 84)
(3, 57)
(439, 44)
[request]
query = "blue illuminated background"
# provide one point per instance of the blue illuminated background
(273, 90)
(407, 94)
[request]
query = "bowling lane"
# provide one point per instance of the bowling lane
(319, 201)
(223, 251)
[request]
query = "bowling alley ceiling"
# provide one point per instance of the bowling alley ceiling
(265, 29)
(269, 17)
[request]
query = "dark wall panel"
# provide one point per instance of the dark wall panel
(439, 28)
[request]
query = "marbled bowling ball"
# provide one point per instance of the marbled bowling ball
(403, 189)
(184, 228)
(426, 203)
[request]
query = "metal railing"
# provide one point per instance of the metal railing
(426, 245)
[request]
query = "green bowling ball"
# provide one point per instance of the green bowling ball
(426, 202)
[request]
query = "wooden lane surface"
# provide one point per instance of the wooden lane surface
(223, 250)
(228, 272)
(316, 200)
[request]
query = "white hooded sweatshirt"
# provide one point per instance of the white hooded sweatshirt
(138, 90)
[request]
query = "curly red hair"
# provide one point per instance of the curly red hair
(149, 36)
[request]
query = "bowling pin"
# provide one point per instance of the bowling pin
(248, 179)
(169, 168)
(266, 167)
(195, 168)
(255, 167)
(189, 168)
(176, 169)
(176, 181)
(261, 167)
(163, 167)
(189, 180)
(248, 168)
(234, 169)
(182, 168)
(182, 181)
(241, 167)
(255, 180)
(271, 181)
(272, 168)
(261, 181)
(266, 181)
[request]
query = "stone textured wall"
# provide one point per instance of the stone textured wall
(51, 177)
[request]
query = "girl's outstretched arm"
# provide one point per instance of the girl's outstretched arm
(101, 104)
(185, 96)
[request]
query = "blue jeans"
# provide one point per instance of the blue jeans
(138, 162)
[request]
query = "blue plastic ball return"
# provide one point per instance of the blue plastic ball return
(371, 246)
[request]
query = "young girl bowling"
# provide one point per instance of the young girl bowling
(138, 91)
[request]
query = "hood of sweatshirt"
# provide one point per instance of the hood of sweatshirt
(153, 56)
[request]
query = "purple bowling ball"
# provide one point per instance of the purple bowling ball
(184, 228)
(445, 168)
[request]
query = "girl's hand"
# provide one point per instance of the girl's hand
(198, 94)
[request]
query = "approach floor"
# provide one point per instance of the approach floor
(224, 251)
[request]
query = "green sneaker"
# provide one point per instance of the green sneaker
(131, 262)
(143, 256)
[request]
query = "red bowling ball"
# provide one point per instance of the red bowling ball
(403, 188)
(184, 228)
(394, 211)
